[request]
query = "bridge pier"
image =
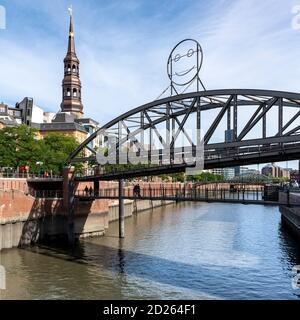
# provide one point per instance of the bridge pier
(96, 188)
(97, 171)
(121, 210)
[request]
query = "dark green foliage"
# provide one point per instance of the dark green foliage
(19, 146)
(206, 176)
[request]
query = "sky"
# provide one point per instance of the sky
(123, 47)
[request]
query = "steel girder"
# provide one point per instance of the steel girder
(132, 128)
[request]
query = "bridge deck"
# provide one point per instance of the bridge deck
(229, 156)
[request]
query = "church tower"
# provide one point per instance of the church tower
(71, 85)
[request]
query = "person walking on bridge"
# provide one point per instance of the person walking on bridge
(135, 192)
(138, 190)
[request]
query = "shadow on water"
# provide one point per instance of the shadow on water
(202, 279)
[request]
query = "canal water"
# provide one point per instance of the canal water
(184, 251)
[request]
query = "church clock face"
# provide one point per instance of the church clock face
(185, 62)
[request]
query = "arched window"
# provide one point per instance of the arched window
(68, 92)
(74, 92)
(69, 68)
(74, 69)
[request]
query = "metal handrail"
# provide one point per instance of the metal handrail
(44, 194)
(9, 175)
(182, 192)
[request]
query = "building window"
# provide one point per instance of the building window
(74, 68)
(28, 112)
(75, 93)
(69, 68)
(68, 93)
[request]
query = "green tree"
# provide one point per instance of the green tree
(205, 177)
(20, 146)
(54, 150)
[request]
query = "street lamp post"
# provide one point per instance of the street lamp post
(39, 164)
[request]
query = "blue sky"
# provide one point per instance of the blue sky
(123, 47)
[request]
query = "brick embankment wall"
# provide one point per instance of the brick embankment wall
(14, 184)
(142, 205)
(20, 217)
(25, 220)
(113, 211)
(134, 206)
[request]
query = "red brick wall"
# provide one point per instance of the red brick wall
(16, 205)
(14, 184)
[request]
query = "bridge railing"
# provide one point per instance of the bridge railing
(184, 193)
(183, 156)
(17, 175)
(46, 194)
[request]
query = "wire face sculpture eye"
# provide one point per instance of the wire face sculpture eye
(190, 53)
(185, 62)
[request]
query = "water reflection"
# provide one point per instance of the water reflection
(121, 256)
(289, 247)
(181, 251)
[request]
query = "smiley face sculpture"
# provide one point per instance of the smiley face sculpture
(185, 62)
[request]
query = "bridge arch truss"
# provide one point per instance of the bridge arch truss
(239, 126)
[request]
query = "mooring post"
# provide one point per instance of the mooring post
(69, 201)
(71, 231)
(288, 197)
(121, 210)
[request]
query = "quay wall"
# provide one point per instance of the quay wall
(290, 214)
(25, 220)
(134, 207)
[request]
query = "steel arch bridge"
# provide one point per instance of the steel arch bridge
(240, 127)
